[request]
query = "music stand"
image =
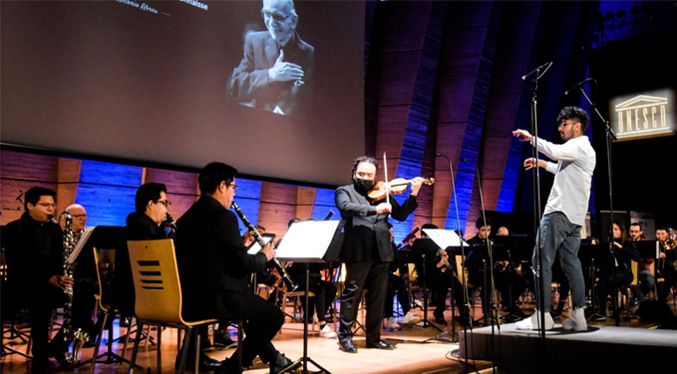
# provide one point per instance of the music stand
(102, 237)
(590, 254)
(306, 242)
(647, 248)
(450, 241)
(419, 246)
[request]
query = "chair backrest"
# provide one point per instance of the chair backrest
(104, 263)
(156, 280)
(413, 274)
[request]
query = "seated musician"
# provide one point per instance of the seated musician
(645, 276)
(398, 286)
(616, 270)
(434, 268)
(215, 270)
(668, 264)
(477, 263)
(509, 280)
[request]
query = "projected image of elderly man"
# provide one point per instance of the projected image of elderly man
(275, 73)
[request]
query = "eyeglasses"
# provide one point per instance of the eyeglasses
(79, 216)
(47, 205)
(234, 186)
(276, 16)
(164, 202)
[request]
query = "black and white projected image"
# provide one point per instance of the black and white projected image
(276, 71)
(150, 81)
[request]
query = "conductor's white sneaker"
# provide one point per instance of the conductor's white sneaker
(576, 322)
(534, 322)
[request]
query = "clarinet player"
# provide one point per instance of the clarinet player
(214, 268)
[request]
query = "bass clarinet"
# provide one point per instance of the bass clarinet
(74, 339)
(291, 285)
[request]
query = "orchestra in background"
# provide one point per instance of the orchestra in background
(36, 245)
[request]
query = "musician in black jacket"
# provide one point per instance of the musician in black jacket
(34, 251)
(438, 273)
(150, 203)
(367, 250)
(215, 268)
(616, 267)
(478, 264)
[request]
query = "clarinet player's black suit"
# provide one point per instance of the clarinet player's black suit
(215, 268)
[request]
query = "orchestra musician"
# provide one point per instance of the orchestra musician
(215, 271)
(616, 270)
(477, 263)
(510, 281)
(667, 268)
(645, 276)
(434, 266)
(85, 280)
(367, 250)
(34, 251)
(397, 286)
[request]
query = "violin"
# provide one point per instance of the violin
(395, 186)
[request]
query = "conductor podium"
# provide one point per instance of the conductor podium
(310, 242)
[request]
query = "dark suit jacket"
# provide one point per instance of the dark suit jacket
(138, 227)
(212, 260)
(34, 253)
(249, 81)
(364, 226)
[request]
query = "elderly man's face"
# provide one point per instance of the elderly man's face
(279, 20)
(79, 218)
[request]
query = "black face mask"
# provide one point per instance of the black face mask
(363, 184)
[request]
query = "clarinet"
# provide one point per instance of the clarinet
(291, 286)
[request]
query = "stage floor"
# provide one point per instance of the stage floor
(419, 349)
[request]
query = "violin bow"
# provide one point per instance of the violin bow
(385, 171)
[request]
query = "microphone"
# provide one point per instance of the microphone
(543, 67)
(579, 84)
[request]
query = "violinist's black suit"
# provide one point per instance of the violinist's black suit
(367, 252)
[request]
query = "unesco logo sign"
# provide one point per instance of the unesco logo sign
(644, 115)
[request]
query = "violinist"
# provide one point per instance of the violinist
(367, 249)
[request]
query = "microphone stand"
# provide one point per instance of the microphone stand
(466, 297)
(610, 136)
(492, 299)
(537, 213)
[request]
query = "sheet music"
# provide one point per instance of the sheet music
(255, 247)
(86, 233)
(444, 238)
(307, 241)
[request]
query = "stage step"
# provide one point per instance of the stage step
(600, 349)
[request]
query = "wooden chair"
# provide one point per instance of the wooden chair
(158, 296)
(104, 260)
